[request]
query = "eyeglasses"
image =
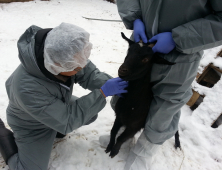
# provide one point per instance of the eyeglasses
(77, 69)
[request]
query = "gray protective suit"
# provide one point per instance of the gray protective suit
(36, 110)
(195, 26)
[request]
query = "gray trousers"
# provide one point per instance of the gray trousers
(171, 90)
(35, 154)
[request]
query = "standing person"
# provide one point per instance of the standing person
(181, 29)
(41, 104)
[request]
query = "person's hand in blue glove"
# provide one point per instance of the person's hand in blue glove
(139, 31)
(114, 86)
(164, 42)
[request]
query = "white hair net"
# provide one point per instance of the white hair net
(66, 47)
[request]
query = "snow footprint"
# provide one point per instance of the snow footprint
(95, 132)
(81, 136)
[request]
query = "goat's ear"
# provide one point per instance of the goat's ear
(159, 60)
(127, 39)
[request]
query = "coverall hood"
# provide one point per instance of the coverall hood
(32, 59)
(26, 47)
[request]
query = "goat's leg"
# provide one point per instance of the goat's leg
(117, 125)
(127, 134)
(177, 141)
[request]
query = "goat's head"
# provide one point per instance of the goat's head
(137, 61)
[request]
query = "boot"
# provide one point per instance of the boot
(141, 155)
(8, 146)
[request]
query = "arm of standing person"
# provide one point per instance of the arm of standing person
(129, 11)
(200, 34)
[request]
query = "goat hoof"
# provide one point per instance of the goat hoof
(177, 146)
(112, 156)
(109, 148)
(107, 151)
(113, 153)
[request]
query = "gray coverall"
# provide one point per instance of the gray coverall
(36, 111)
(195, 26)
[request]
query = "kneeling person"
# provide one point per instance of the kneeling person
(41, 103)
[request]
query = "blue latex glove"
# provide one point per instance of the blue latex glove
(139, 31)
(114, 86)
(164, 42)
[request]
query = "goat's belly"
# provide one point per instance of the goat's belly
(134, 124)
(132, 115)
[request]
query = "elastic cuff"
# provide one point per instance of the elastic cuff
(102, 93)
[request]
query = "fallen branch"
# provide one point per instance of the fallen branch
(219, 53)
(112, 62)
(102, 19)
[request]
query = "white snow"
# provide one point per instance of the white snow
(201, 145)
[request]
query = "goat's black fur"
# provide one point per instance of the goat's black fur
(132, 110)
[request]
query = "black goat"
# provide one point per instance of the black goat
(132, 110)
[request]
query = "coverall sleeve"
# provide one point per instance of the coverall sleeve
(62, 117)
(90, 77)
(200, 34)
(129, 11)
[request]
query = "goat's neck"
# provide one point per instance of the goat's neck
(141, 85)
(136, 85)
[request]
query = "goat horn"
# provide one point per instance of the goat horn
(148, 44)
(151, 45)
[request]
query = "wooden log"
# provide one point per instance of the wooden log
(193, 99)
(215, 68)
(8, 1)
(217, 122)
(197, 103)
(219, 54)
(205, 71)
(203, 74)
(209, 77)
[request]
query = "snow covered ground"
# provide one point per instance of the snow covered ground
(80, 150)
